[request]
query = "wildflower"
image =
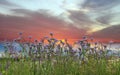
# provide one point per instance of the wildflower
(105, 46)
(61, 42)
(20, 33)
(36, 41)
(30, 37)
(110, 42)
(46, 37)
(51, 34)
(42, 41)
(55, 40)
(96, 43)
(32, 45)
(49, 40)
(91, 38)
(81, 42)
(85, 37)
(14, 40)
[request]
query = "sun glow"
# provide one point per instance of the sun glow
(96, 28)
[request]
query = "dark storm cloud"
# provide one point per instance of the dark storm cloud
(49, 20)
(105, 19)
(31, 13)
(33, 19)
(100, 4)
(7, 3)
(80, 19)
(36, 22)
(112, 32)
(38, 15)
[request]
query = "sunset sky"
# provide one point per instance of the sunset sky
(65, 18)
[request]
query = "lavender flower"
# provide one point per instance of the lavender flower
(110, 42)
(85, 37)
(46, 37)
(105, 46)
(30, 37)
(20, 33)
(96, 43)
(36, 40)
(51, 34)
(91, 38)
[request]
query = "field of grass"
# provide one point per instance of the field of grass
(59, 66)
(58, 58)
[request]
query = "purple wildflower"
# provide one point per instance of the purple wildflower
(30, 37)
(51, 34)
(20, 33)
(110, 42)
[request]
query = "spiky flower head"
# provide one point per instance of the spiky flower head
(30, 37)
(51, 33)
(20, 33)
(110, 42)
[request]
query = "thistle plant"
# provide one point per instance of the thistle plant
(57, 57)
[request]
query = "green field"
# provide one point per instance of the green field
(58, 58)
(59, 66)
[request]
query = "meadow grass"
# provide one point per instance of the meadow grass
(62, 66)
(58, 58)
